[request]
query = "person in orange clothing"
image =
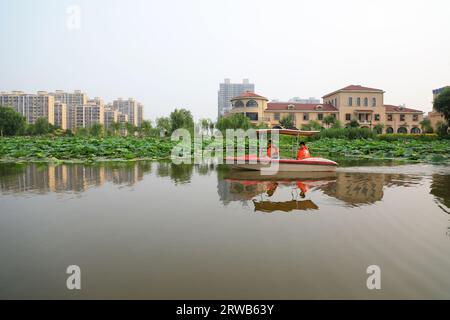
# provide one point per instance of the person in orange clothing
(272, 151)
(303, 152)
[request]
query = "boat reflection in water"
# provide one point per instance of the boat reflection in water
(286, 192)
(262, 189)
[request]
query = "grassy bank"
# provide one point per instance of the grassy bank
(79, 149)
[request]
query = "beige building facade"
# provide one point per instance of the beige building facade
(352, 103)
(131, 108)
(31, 106)
(61, 115)
(73, 102)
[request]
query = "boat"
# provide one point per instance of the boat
(266, 164)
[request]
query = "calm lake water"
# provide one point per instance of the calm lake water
(160, 231)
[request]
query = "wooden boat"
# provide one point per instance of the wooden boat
(268, 165)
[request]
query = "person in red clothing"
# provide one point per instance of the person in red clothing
(303, 152)
(272, 151)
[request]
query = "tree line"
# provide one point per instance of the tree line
(13, 123)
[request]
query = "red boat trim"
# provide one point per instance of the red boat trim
(247, 160)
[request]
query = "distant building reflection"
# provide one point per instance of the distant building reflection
(75, 178)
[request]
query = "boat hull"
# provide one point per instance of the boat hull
(283, 165)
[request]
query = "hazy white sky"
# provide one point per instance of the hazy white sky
(174, 53)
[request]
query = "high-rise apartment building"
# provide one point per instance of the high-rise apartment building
(131, 108)
(110, 117)
(305, 101)
(61, 115)
(140, 116)
(228, 90)
(72, 101)
(31, 106)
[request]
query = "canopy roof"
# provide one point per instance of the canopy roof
(288, 132)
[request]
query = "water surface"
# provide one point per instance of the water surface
(154, 230)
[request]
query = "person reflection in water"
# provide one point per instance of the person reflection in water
(303, 189)
(271, 188)
(303, 152)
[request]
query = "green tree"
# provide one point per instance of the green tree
(235, 121)
(82, 132)
(11, 122)
(378, 128)
(204, 124)
(442, 129)
(181, 118)
(41, 127)
(329, 120)
(211, 126)
(442, 104)
(287, 122)
(425, 124)
(96, 130)
(146, 128)
(115, 127)
(130, 129)
(337, 125)
(312, 126)
(163, 124)
(353, 124)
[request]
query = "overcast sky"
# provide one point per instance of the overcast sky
(173, 53)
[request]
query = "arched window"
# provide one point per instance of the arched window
(389, 130)
(251, 103)
(366, 102)
(415, 130)
(374, 102)
(358, 102)
(239, 104)
(402, 130)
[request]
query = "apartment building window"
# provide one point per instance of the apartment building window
(358, 102)
(348, 117)
(377, 117)
(366, 102)
(374, 102)
(415, 117)
(306, 116)
(276, 116)
(320, 116)
(389, 117)
(350, 101)
(402, 117)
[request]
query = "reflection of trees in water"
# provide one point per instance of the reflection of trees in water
(42, 178)
(182, 173)
(440, 189)
(179, 173)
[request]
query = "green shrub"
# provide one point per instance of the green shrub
(347, 133)
(400, 136)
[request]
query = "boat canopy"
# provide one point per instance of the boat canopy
(288, 132)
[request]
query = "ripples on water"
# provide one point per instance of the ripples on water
(203, 231)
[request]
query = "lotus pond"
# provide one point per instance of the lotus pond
(79, 149)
